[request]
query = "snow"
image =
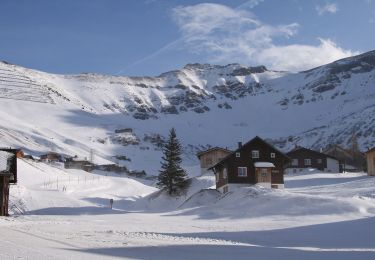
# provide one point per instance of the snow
(74, 114)
(64, 214)
(264, 165)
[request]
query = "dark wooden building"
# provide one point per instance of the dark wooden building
(7, 167)
(72, 163)
(303, 158)
(256, 162)
(51, 157)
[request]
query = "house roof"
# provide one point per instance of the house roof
(371, 150)
(298, 148)
(264, 165)
(199, 154)
(246, 144)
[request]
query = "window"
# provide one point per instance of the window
(225, 173)
(307, 162)
(263, 172)
(273, 155)
(238, 155)
(294, 162)
(319, 161)
(255, 154)
(242, 171)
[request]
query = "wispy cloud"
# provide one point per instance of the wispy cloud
(225, 34)
(250, 4)
(327, 8)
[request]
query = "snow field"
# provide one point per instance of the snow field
(317, 216)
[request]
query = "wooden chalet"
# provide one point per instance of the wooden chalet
(7, 167)
(370, 157)
(51, 157)
(303, 158)
(210, 157)
(256, 162)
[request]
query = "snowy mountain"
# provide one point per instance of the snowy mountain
(126, 119)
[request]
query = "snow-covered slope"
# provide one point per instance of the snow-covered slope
(59, 213)
(208, 105)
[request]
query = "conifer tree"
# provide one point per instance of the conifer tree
(171, 176)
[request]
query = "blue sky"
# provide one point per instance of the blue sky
(135, 37)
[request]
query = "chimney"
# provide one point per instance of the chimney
(239, 145)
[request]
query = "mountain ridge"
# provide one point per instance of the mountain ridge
(312, 108)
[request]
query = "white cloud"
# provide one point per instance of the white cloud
(297, 57)
(227, 35)
(251, 4)
(327, 8)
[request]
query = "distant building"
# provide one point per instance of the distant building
(6, 164)
(124, 130)
(303, 158)
(370, 157)
(51, 157)
(256, 162)
(350, 160)
(210, 157)
(73, 163)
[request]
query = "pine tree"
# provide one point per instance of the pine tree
(172, 177)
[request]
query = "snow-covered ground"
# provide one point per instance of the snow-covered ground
(64, 214)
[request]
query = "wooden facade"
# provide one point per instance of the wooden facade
(370, 157)
(4, 193)
(210, 157)
(252, 163)
(7, 161)
(302, 158)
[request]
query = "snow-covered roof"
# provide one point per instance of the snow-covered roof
(4, 156)
(264, 165)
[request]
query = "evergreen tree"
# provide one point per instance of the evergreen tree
(172, 177)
